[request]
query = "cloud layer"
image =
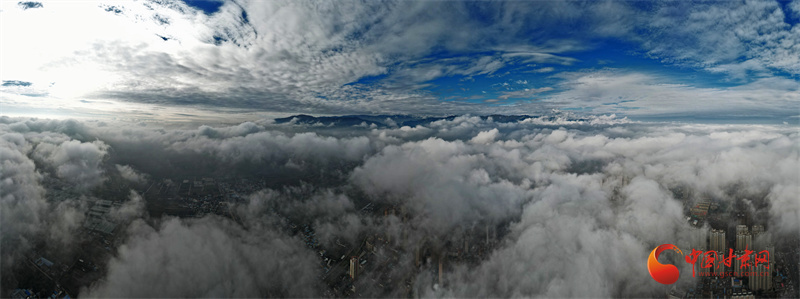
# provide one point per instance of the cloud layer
(380, 57)
(572, 206)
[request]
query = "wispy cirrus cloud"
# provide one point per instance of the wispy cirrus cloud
(618, 91)
(368, 56)
(731, 37)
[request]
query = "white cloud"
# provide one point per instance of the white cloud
(288, 55)
(111, 57)
(523, 93)
(130, 174)
(633, 93)
(543, 70)
(794, 6)
(75, 161)
(719, 35)
(485, 136)
(572, 201)
(207, 258)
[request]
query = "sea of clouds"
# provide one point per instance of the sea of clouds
(576, 204)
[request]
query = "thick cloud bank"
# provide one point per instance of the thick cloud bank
(569, 207)
(207, 258)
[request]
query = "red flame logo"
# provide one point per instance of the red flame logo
(663, 273)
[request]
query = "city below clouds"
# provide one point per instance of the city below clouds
(724, 60)
(446, 207)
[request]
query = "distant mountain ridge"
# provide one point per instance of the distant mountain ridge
(386, 120)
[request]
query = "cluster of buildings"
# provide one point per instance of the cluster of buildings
(701, 212)
(97, 219)
(737, 272)
(372, 264)
(29, 294)
(741, 260)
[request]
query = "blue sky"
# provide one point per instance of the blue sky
(728, 60)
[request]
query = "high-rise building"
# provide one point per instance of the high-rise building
(741, 229)
(771, 266)
(719, 265)
(353, 267)
(716, 240)
(761, 276)
(757, 243)
(698, 266)
(766, 269)
(756, 280)
(757, 229)
(737, 264)
(744, 241)
(712, 239)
